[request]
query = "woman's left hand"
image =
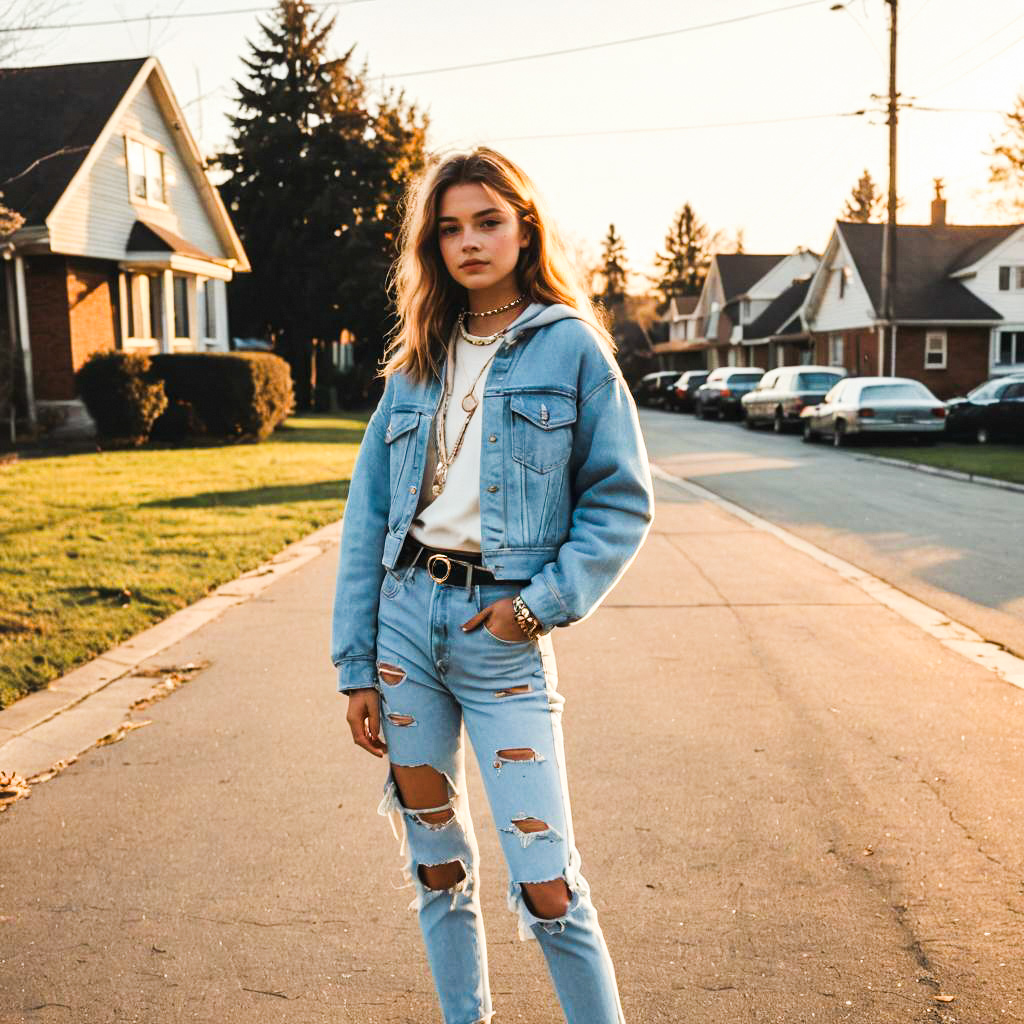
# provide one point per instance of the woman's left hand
(500, 619)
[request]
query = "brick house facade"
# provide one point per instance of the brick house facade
(125, 243)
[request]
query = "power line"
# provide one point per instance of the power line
(676, 127)
(106, 23)
(971, 49)
(609, 43)
(980, 64)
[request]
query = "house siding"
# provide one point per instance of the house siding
(854, 309)
(97, 215)
(49, 327)
(985, 284)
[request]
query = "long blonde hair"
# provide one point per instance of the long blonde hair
(428, 301)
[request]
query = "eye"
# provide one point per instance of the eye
(491, 222)
(449, 229)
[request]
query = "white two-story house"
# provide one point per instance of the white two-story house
(125, 242)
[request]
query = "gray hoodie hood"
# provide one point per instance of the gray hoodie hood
(536, 315)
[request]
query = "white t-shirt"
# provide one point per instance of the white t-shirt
(452, 520)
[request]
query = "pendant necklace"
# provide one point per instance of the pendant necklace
(469, 404)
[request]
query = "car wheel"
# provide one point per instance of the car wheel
(839, 438)
(981, 435)
(777, 422)
(809, 436)
(749, 423)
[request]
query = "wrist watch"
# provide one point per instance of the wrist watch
(528, 622)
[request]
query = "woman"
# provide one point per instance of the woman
(501, 489)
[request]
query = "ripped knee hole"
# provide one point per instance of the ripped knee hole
(442, 876)
(396, 719)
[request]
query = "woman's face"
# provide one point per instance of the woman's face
(480, 237)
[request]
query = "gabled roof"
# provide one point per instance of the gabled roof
(683, 304)
(740, 271)
(926, 255)
(775, 319)
(146, 237)
(50, 118)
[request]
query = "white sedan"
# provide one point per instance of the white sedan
(875, 405)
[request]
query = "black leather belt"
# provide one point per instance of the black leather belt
(452, 568)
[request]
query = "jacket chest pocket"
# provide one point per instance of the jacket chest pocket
(542, 429)
(400, 437)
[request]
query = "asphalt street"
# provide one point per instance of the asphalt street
(957, 546)
(792, 805)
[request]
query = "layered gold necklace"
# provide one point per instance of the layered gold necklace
(469, 405)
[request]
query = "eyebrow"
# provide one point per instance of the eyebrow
(479, 213)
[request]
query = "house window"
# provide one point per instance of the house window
(935, 350)
(745, 311)
(844, 277)
(209, 309)
(1011, 279)
(1011, 348)
(145, 172)
(835, 350)
(181, 325)
(143, 307)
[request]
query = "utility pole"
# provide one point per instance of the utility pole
(889, 231)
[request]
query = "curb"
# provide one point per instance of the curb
(949, 474)
(48, 729)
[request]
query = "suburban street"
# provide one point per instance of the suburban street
(792, 804)
(956, 546)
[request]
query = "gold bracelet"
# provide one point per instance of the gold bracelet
(528, 622)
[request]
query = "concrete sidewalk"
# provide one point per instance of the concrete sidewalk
(747, 735)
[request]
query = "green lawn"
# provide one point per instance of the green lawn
(1001, 461)
(95, 547)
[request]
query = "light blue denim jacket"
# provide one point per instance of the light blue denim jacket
(565, 488)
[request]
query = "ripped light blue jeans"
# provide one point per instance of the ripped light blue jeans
(437, 679)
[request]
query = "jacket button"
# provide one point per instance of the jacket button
(412, 490)
(492, 489)
(493, 438)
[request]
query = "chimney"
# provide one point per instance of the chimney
(938, 205)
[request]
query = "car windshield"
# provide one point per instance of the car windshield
(815, 381)
(895, 392)
(987, 392)
(745, 378)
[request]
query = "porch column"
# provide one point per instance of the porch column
(167, 311)
(123, 298)
(23, 337)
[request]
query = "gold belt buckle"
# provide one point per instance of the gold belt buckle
(445, 561)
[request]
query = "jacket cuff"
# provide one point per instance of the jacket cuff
(546, 606)
(357, 674)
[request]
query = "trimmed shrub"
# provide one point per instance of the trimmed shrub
(224, 394)
(120, 394)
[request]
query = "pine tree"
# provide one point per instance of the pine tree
(866, 203)
(1007, 168)
(684, 264)
(316, 169)
(613, 270)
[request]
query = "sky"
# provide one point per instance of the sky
(627, 133)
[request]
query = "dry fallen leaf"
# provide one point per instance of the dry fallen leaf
(943, 999)
(12, 787)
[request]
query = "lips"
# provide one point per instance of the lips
(472, 265)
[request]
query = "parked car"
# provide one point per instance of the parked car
(993, 411)
(685, 388)
(875, 405)
(720, 394)
(781, 395)
(654, 388)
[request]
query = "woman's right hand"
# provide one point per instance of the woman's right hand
(363, 719)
